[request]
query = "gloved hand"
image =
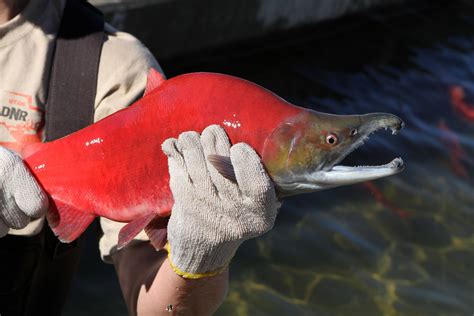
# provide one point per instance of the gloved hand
(21, 197)
(212, 215)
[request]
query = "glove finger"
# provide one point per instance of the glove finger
(176, 164)
(13, 217)
(193, 154)
(215, 142)
(3, 228)
(172, 149)
(252, 178)
(28, 194)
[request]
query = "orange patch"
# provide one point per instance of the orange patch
(21, 120)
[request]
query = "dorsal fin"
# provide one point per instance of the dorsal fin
(154, 79)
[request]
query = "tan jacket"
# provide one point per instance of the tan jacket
(26, 50)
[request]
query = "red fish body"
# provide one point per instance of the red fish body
(115, 168)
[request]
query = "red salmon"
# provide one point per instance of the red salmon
(115, 168)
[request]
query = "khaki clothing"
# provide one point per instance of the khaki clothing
(26, 51)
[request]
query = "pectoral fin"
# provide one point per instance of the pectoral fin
(223, 165)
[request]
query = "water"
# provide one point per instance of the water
(403, 245)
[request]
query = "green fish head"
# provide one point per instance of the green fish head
(303, 153)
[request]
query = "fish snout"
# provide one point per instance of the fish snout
(375, 121)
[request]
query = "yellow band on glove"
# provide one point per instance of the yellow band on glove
(188, 275)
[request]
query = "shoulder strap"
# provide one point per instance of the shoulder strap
(70, 107)
(73, 80)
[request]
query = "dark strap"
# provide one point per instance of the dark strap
(73, 81)
(36, 272)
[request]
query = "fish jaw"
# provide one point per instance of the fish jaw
(302, 155)
(339, 176)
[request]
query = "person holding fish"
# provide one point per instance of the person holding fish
(211, 216)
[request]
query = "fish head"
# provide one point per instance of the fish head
(303, 153)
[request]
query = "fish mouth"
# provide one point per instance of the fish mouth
(344, 175)
(333, 175)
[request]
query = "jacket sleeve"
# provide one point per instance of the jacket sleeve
(123, 70)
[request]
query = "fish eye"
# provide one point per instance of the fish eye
(354, 132)
(331, 139)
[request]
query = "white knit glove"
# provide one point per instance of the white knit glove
(212, 215)
(21, 197)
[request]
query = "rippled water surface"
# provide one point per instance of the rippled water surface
(403, 245)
